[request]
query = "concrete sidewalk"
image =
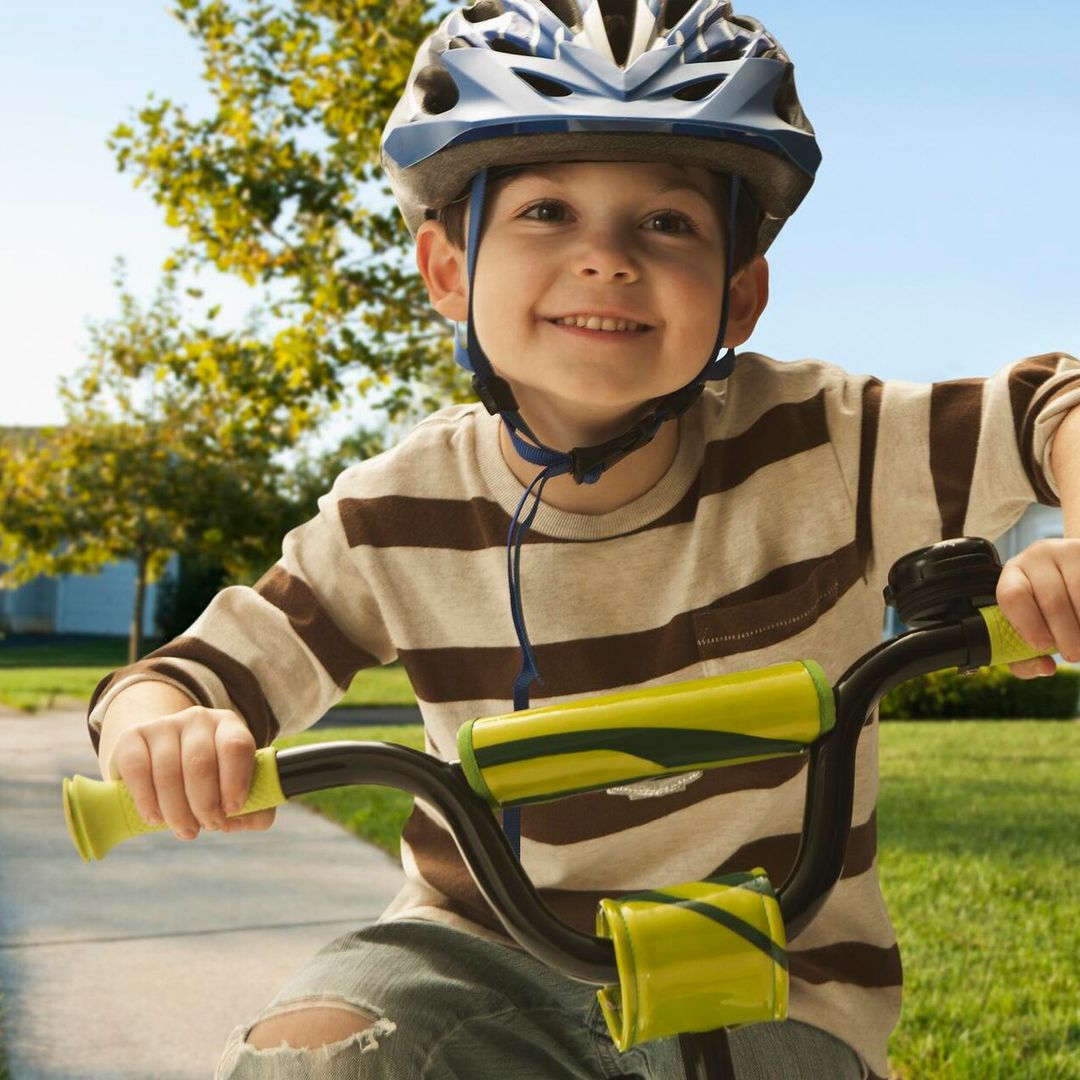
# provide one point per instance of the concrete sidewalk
(139, 966)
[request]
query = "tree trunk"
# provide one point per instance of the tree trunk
(135, 634)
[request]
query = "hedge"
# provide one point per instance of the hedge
(989, 694)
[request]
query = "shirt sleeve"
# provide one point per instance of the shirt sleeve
(280, 652)
(929, 461)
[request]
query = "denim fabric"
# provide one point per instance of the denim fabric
(451, 1006)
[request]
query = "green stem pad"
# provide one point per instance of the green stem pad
(694, 957)
(549, 752)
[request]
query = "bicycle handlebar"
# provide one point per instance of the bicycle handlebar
(716, 719)
(551, 752)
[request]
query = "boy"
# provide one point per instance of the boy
(659, 530)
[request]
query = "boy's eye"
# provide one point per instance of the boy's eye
(672, 215)
(553, 204)
(549, 204)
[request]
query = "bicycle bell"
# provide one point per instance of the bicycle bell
(944, 582)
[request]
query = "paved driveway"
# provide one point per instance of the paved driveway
(138, 966)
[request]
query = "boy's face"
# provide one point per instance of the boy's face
(583, 238)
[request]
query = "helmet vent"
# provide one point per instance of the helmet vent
(726, 52)
(504, 46)
(436, 89)
(696, 91)
(673, 13)
(547, 87)
(747, 22)
(565, 10)
(483, 10)
(619, 26)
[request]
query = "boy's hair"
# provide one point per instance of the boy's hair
(747, 216)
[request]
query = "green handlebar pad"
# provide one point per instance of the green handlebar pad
(101, 813)
(1006, 644)
(551, 751)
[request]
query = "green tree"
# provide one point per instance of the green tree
(276, 186)
(183, 594)
(173, 440)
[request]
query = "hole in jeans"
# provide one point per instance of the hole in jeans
(310, 1027)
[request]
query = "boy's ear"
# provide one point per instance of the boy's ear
(444, 271)
(749, 295)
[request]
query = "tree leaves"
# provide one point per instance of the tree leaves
(281, 185)
(175, 438)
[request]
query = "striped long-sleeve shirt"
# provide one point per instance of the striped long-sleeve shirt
(794, 488)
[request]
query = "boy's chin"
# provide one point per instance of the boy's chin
(595, 419)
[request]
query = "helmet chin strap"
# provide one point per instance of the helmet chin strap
(585, 463)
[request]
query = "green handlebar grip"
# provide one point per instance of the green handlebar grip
(101, 813)
(1006, 644)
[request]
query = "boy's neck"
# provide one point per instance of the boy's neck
(624, 482)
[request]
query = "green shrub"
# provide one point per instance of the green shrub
(989, 694)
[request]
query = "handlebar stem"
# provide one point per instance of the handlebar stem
(830, 783)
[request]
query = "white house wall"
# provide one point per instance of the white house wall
(31, 608)
(102, 603)
(78, 603)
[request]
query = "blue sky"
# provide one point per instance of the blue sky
(941, 240)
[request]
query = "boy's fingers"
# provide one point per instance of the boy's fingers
(131, 763)
(199, 758)
(164, 744)
(236, 761)
(1058, 629)
(1016, 596)
(1065, 618)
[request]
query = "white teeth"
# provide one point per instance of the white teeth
(594, 322)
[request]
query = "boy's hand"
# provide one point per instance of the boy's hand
(1039, 593)
(188, 770)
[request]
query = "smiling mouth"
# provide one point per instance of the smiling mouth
(614, 335)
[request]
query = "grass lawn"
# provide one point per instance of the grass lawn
(35, 677)
(978, 855)
(978, 824)
(376, 814)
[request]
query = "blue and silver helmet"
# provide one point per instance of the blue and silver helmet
(516, 82)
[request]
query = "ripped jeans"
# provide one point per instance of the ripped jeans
(447, 1005)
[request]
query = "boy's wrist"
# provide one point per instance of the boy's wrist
(1065, 462)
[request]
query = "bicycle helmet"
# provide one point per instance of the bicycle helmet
(515, 82)
(518, 82)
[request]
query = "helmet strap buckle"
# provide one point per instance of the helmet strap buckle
(495, 393)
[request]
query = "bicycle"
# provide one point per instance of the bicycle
(655, 953)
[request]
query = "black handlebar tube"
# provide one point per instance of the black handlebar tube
(819, 861)
(830, 781)
(479, 836)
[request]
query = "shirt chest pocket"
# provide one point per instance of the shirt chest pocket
(799, 596)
